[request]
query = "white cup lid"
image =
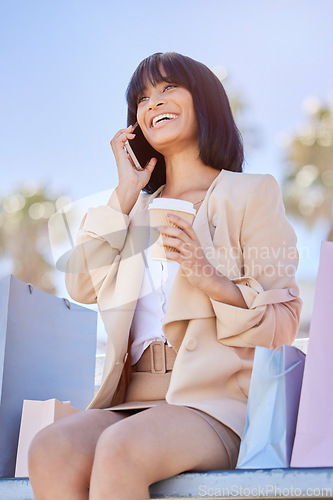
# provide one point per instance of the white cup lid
(172, 204)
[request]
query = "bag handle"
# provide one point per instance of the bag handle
(285, 371)
(67, 303)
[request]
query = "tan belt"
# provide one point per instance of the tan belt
(157, 358)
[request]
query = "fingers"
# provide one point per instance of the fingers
(174, 238)
(183, 251)
(151, 165)
(118, 141)
(180, 229)
(122, 131)
(174, 256)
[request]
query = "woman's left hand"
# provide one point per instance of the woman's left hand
(194, 264)
(189, 255)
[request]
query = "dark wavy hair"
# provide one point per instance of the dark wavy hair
(219, 140)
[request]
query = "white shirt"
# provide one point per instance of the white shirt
(150, 309)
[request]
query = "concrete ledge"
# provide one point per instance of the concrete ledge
(248, 484)
(245, 484)
(16, 489)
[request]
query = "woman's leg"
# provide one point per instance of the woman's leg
(153, 445)
(61, 455)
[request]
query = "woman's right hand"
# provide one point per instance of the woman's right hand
(129, 177)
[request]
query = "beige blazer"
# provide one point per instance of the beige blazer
(243, 228)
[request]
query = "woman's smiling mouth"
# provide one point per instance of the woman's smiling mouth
(163, 117)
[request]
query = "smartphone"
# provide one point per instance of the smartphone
(139, 149)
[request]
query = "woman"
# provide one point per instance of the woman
(230, 286)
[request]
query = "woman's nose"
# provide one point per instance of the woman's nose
(155, 101)
(155, 105)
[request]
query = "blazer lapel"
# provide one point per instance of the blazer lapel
(187, 302)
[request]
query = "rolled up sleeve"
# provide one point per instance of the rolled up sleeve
(270, 260)
(100, 239)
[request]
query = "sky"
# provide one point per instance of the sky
(65, 66)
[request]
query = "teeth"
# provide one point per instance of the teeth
(158, 118)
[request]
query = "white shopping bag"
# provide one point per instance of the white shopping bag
(35, 416)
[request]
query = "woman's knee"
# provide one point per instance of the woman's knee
(117, 448)
(45, 447)
(71, 439)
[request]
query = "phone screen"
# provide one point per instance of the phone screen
(139, 149)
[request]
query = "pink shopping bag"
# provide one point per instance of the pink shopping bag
(35, 416)
(313, 444)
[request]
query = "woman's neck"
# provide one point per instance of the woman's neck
(187, 176)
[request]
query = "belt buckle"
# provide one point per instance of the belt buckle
(157, 348)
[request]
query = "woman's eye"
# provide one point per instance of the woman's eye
(169, 86)
(142, 98)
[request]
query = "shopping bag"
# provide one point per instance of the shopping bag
(313, 446)
(272, 408)
(47, 350)
(35, 416)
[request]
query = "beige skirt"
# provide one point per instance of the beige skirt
(148, 389)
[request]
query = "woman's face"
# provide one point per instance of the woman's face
(167, 118)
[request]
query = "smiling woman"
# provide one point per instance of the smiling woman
(219, 140)
(167, 118)
(183, 326)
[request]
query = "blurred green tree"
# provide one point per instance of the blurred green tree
(24, 238)
(308, 181)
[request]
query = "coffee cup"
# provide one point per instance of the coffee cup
(158, 211)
